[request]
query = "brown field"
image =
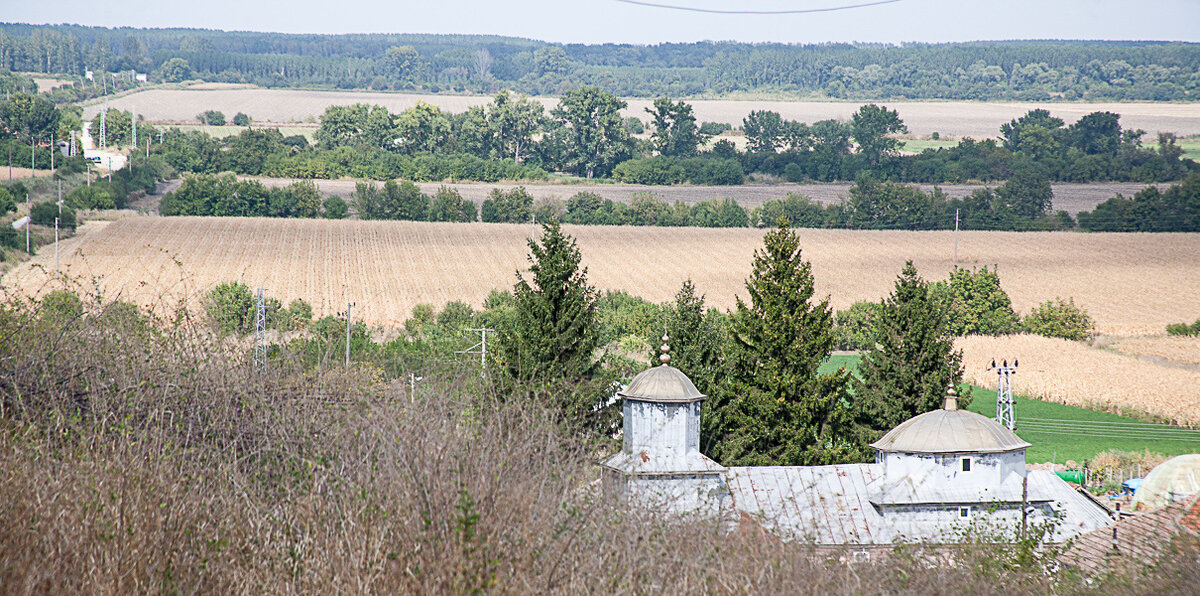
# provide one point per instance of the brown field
(957, 118)
(1132, 284)
(1170, 348)
(1097, 379)
(1072, 198)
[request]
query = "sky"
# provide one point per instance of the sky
(604, 21)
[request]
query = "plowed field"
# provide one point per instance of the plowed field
(1132, 284)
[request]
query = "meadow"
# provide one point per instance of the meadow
(958, 118)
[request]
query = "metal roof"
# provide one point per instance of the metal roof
(950, 431)
(824, 504)
(917, 488)
(662, 384)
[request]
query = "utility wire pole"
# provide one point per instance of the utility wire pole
(479, 348)
(348, 307)
(28, 224)
(956, 238)
(260, 329)
(1004, 396)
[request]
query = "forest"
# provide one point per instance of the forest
(1009, 70)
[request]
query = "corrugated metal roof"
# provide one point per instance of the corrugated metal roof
(662, 384)
(824, 504)
(1079, 513)
(666, 461)
(950, 431)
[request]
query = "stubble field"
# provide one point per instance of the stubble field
(1132, 284)
(957, 118)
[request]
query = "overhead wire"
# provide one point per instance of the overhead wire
(756, 12)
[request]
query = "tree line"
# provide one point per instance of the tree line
(1016, 70)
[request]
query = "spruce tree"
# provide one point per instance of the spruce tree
(780, 410)
(912, 360)
(549, 346)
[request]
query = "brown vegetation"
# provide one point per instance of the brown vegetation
(142, 456)
(1173, 348)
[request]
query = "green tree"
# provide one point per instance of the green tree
(912, 360)
(1060, 318)
(764, 131)
(230, 305)
(422, 127)
(29, 117)
(513, 120)
(554, 330)
(240, 119)
(511, 206)
(341, 125)
(1011, 131)
(211, 118)
(675, 131)
(335, 207)
(697, 336)
(593, 136)
(402, 200)
(781, 411)
(402, 62)
(449, 205)
(551, 60)
(870, 126)
(1098, 133)
(975, 303)
(175, 70)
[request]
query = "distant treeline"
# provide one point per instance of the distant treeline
(1020, 204)
(1021, 70)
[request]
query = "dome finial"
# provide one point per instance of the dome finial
(951, 399)
(665, 357)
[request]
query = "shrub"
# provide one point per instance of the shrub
(97, 196)
(241, 119)
(212, 118)
(335, 207)
(854, 327)
(231, 308)
(976, 303)
(512, 206)
(7, 202)
(1057, 318)
(1184, 328)
(44, 214)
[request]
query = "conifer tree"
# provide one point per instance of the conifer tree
(549, 346)
(912, 361)
(780, 410)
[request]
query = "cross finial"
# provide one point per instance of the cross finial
(665, 357)
(951, 399)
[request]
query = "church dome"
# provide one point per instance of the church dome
(662, 384)
(950, 430)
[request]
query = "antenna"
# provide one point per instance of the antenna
(260, 329)
(1004, 396)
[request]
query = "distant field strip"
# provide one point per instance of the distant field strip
(1075, 374)
(1132, 284)
(1173, 348)
(957, 118)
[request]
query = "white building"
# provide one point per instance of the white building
(936, 477)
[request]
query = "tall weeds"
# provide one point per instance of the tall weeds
(141, 454)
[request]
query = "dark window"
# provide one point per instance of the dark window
(964, 512)
(966, 464)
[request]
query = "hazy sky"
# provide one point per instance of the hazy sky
(599, 21)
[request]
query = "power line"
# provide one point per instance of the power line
(756, 12)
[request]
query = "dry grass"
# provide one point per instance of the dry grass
(144, 457)
(1069, 197)
(1131, 284)
(1075, 374)
(957, 118)
(1173, 348)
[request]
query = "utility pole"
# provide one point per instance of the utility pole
(956, 238)
(104, 127)
(1004, 396)
(479, 348)
(53, 149)
(133, 119)
(348, 307)
(28, 224)
(56, 242)
(260, 329)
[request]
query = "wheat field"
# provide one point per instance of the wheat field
(1131, 284)
(955, 118)
(1076, 374)
(1173, 348)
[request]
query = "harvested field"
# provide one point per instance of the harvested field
(957, 118)
(1075, 374)
(388, 267)
(1071, 198)
(1171, 348)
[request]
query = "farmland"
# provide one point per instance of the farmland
(1168, 348)
(1068, 197)
(389, 267)
(957, 118)
(1098, 379)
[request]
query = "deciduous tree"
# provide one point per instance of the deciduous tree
(593, 137)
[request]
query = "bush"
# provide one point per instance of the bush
(335, 207)
(231, 307)
(98, 196)
(1057, 318)
(44, 214)
(512, 206)
(976, 303)
(1184, 328)
(7, 202)
(854, 327)
(211, 118)
(241, 119)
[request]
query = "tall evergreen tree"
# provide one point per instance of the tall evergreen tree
(695, 336)
(550, 344)
(913, 359)
(781, 411)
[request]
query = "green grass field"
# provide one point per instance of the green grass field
(1075, 433)
(917, 146)
(221, 132)
(1191, 149)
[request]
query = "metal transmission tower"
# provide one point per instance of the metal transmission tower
(479, 348)
(1004, 396)
(260, 329)
(104, 127)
